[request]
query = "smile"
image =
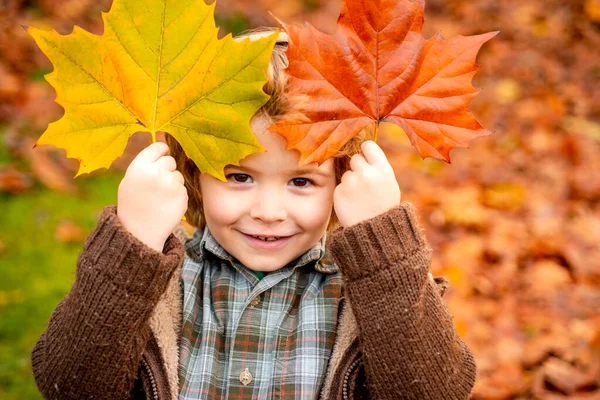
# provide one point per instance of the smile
(267, 242)
(267, 238)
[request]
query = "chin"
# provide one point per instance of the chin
(256, 264)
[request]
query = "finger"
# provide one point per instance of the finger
(374, 155)
(152, 152)
(178, 177)
(167, 163)
(357, 162)
(345, 176)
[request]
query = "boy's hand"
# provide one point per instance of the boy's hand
(368, 189)
(152, 197)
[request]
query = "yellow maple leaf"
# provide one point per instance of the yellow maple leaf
(158, 66)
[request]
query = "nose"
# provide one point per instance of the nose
(269, 206)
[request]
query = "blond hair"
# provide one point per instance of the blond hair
(278, 106)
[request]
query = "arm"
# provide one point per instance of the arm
(93, 344)
(94, 341)
(410, 347)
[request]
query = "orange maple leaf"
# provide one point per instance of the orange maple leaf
(377, 67)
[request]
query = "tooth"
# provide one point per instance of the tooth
(267, 239)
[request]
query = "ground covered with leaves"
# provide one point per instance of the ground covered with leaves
(514, 221)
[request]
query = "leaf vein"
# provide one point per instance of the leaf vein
(186, 45)
(438, 124)
(228, 104)
(91, 76)
(106, 147)
(213, 90)
(210, 134)
(183, 10)
(159, 67)
(86, 103)
(98, 127)
(126, 49)
(333, 86)
(138, 31)
(186, 73)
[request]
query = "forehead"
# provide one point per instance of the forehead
(276, 158)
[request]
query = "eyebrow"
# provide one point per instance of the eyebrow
(310, 171)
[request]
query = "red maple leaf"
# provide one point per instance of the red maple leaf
(377, 67)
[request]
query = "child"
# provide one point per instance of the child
(254, 305)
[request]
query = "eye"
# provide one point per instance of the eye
(301, 182)
(239, 178)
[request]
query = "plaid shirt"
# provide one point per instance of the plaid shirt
(247, 338)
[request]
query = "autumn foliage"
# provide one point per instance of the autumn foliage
(158, 66)
(378, 68)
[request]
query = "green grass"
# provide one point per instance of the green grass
(37, 270)
(233, 23)
(5, 156)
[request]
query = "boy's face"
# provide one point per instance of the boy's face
(269, 197)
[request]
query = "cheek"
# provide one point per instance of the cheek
(221, 207)
(314, 212)
(219, 210)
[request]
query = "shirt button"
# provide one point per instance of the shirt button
(245, 377)
(255, 301)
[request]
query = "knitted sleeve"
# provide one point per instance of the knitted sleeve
(94, 340)
(410, 347)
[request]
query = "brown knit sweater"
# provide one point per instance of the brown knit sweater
(395, 341)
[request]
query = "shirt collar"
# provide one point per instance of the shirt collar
(203, 243)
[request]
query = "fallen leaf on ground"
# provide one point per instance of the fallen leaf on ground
(69, 232)
(13, 181)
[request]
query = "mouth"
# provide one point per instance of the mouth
(266, 241)
(267, 238)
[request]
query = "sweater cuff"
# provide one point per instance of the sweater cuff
(129, 263)
(384, 240)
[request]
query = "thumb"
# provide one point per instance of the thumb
(152, 152)
(374, 155)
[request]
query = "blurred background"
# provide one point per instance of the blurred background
(514, 220)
